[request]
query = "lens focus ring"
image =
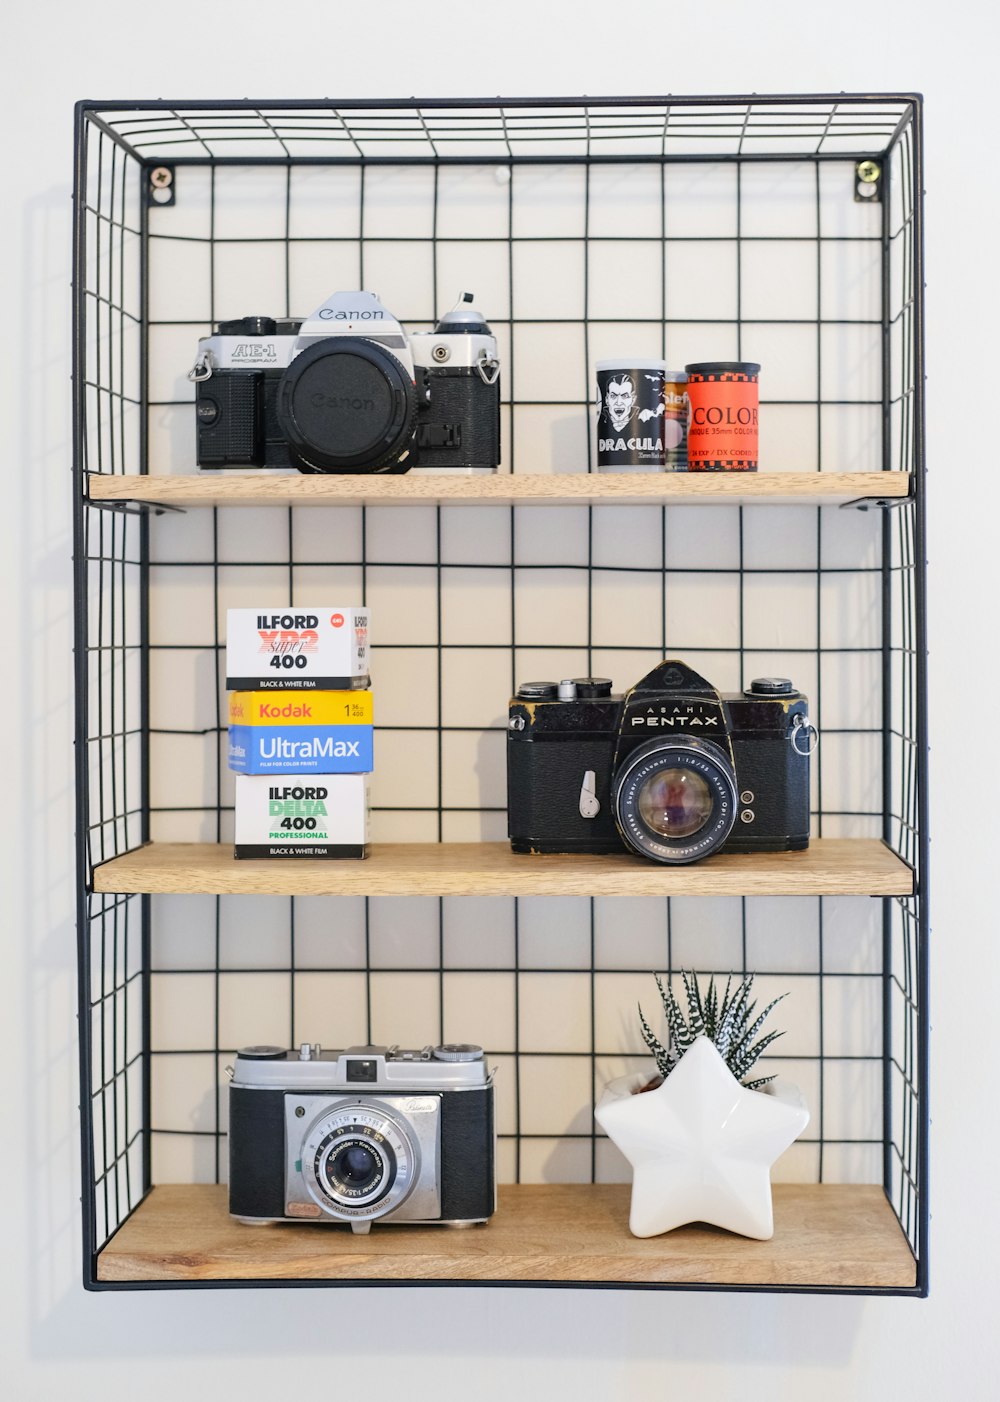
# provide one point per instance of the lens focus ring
(675, 801)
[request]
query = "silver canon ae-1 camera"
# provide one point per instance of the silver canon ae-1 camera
(347, 390)
(363, 1135)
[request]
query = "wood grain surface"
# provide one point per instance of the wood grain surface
(830, 867)
(503, 489)
(824, 1235)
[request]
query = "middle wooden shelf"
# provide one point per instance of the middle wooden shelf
(829, 867)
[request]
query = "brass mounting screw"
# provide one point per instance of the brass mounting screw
(161, 177)
(869, 171)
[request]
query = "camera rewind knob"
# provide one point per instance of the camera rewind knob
(458, 1051)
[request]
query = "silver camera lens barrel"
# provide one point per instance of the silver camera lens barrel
(359, 1162)
(675, 801)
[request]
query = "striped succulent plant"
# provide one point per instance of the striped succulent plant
(730, 1023)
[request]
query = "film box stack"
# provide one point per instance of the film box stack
(300, 730)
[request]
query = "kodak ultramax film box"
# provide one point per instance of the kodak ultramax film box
(297, 649)
(307, 732)
(284, 815)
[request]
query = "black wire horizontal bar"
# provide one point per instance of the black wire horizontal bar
(504, 240)
(501, 158)
(577, 1136)
(119, 988)
(220, 808)
(117, 1075)
(103, 301)
(289, 970)
(345, 562)
(586, 403)
(508, 106)
(119, 1157)
(113, 393)
(562, 645)
(441, 728)
(588, 1055)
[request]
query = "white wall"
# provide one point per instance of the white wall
(59, 1342)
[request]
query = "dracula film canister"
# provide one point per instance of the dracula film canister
(642, 416)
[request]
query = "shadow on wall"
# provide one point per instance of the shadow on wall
(463, 1324)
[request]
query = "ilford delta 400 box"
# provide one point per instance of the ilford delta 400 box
(300, 649)
(314, 732)
(324, 815)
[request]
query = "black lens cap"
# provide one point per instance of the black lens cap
(770, 686)
(537, 691)
(262, 1053)
(346, 405)
(590, 688)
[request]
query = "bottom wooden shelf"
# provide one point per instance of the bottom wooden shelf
(827, 1235)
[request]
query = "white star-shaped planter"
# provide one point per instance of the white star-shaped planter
(701, 1145)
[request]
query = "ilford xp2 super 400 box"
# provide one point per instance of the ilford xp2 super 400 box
(314, 732)
(297, 649)
(285, 815)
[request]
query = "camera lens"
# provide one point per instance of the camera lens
(675, 800)
(356, 1168)
(359, 1161)
(359, 1165)
(346, 405)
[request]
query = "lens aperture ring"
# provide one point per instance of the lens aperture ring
(708, 768)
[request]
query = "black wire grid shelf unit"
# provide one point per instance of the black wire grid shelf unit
(168, 238)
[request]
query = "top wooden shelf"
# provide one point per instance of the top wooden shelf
(504, 489)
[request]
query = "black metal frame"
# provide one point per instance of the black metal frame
(114, 932)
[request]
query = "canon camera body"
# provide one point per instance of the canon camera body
(347, 390)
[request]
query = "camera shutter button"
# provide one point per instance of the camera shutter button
(771, 686)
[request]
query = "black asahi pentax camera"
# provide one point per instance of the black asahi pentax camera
(673, 769)
(370, 1134)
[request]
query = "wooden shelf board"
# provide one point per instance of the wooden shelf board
(503, 489)
(825, 1235)
(830, 867)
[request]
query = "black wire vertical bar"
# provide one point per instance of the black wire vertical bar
(592, 989)
(101, 621)
(819, 646)
(513, 640)
(364, 574)
(663, 509)
(144, 704)
(920, 584)
(219, 732)
(122, 912)
(287, 243)
(439, 657)
(887, 696)
(81, 137)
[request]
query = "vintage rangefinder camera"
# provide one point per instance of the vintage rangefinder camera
(348, 391)
(672, 769)
(360, 1136)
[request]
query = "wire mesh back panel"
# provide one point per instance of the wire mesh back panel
(712, 230)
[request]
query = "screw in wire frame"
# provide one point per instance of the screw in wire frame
(161, 185)
(868, 181)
